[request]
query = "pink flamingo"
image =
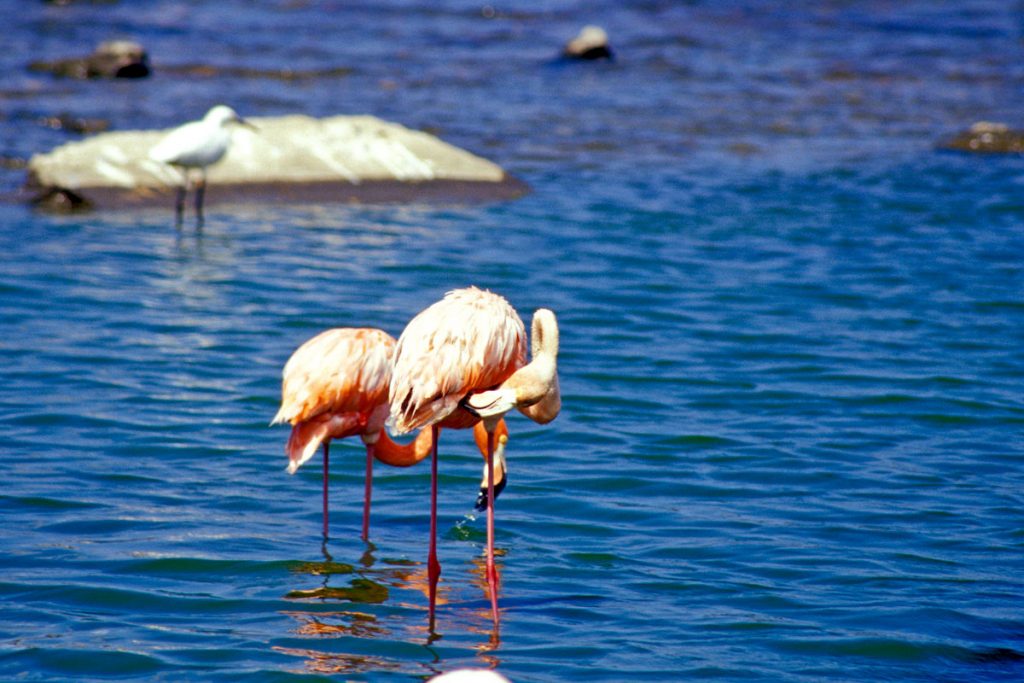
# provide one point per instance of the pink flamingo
(336, 385)
(472, 342)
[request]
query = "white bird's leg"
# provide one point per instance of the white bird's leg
(368, 492)
(433, 566)
(326, 465)
(179, 202)
(200, 192)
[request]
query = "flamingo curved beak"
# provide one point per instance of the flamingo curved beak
(500, 474)
(482, 501)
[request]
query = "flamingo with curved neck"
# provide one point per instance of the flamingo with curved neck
(471, 343)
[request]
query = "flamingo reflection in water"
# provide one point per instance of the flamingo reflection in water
(369, 583)
(331, 663)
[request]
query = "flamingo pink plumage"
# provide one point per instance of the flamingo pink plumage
(336, 385)
(471, 341)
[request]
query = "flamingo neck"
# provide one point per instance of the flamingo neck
(403, 455)
(544, 335)
(538, 379)
(541, 399)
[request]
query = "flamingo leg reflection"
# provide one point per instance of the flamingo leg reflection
(492, 570)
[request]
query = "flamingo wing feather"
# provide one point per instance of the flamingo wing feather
(337, 371)
(469, 341)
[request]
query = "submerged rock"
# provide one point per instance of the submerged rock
(985, 137)
(590, 43)
(288, 159)
(285, 74)
(111, 59)
(12, 163)
(60, 200)
(74, 124)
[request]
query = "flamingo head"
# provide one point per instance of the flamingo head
(500, 474)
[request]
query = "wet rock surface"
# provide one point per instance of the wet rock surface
(280, 74)
(986, 137)
(74, 124)
(111, 59)
(591, 43)
(59, 200)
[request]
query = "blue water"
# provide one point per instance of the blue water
(790, 447)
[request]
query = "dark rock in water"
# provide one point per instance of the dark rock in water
(985, 137)
(118, 59)
(590, 43)
(744, 149)
(12, 163)
(61, 200)
(286, 75)
(112, 59)
(75, 124)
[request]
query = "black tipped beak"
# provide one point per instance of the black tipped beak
(482, 501)
(248, 124)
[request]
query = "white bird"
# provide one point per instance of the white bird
(197, 145)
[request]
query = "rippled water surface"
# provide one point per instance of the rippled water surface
(790, 446)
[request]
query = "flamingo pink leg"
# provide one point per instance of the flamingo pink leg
(369, 490)
(326, 464)
(433, 566)
(492, 570)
